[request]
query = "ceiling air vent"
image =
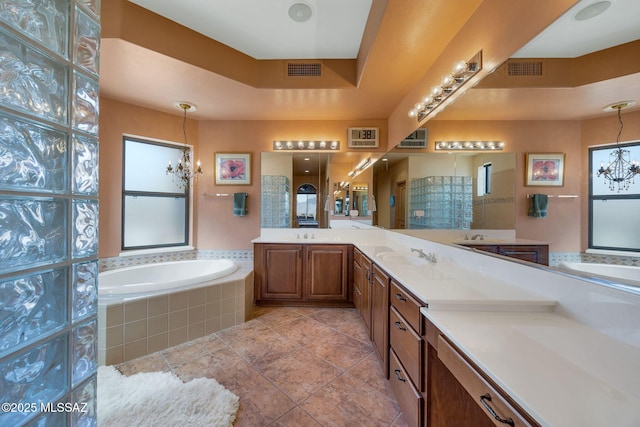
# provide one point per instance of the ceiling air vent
(416, 139)
(304, 69)
(525, 68)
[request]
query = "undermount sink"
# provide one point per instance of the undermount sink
(404, 258)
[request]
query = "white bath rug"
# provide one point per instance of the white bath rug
(162, 399)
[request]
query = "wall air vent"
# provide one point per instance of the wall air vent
(304, 69)
(524, 68)
(416, 139)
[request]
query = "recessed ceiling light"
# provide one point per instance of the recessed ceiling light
(620, 105)
(185, 106)
(300, 12)
(592, 10)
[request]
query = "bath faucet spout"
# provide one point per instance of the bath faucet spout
(431, 256)
(477, 237)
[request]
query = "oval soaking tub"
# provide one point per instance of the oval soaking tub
(161, 277)
(624, 274)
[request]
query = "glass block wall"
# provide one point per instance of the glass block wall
(49, 64)
(441, 202)
(275, 209)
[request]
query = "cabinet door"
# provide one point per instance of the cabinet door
(358, 280)
(367, 284)
(327, 272)
(532, 253)
(281, 275)
(380, 316)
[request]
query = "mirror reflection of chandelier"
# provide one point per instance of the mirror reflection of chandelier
(619, 173)
(184, 173)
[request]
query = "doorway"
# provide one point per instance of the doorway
(306, 206)
(400, 204)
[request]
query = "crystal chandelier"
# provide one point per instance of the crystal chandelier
(619, 173)
(183, 173)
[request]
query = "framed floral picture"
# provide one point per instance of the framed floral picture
(544, 169)
(232, 168)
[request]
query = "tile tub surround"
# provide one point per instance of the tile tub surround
(136, 327)
(155, 257)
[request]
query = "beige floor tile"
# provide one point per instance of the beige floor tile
(299, 373)
(296, 418)
(261, 402)
(150, 363)
(340, 350)
(348, 402)
(190, 350)
(369, 372)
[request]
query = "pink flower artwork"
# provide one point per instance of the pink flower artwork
(546, 170)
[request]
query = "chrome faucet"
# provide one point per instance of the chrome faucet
(420, 252)
(431, 256)
(477, 237)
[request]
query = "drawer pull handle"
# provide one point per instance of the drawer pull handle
(400, 326)
(401, 297)
(397, 374)
(484, 399)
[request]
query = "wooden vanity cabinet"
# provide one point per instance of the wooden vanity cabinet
(538, 254)
(362, 283)
(302, 274)
(458, 393)
(406, 360)
(380, 316)
(278, 272)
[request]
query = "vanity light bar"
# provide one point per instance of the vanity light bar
(461, 73)
(469, 145)
(306, 145)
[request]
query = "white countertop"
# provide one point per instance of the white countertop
(561, 372)
(565, 349)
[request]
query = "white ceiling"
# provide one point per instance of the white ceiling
(263, 29)
(249, 26)
(570, 38)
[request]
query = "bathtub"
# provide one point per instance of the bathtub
(151, 279)
(625, 275)
(148, 308)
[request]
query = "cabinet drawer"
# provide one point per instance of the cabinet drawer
(408, 346)
(357, 299)
(409, 400)
(407, 306)
(484, 395)
(357, 256)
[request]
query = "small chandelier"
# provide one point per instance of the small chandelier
(619, 173)
(183, 173)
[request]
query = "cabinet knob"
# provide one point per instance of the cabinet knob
(485, 399)
(400, 326)
(397, 373)
(401, 297)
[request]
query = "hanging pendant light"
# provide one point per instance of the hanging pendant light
(619, 173)
(184, 173)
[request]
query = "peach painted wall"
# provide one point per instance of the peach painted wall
(117, 119)
(215, 227)
(562, 227)
(603, 131)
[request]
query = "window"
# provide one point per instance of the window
(155, 211)
(484, 179)
(613, 214)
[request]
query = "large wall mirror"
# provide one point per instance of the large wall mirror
(464, 190)
(294, 189)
